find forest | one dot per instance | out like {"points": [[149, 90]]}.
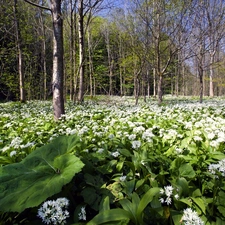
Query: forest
{"points": [[137, 47]]}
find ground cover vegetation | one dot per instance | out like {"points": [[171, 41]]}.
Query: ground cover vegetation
{"points": [[110, 161]]}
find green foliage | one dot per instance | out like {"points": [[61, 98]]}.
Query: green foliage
{"points": [[131, 155], [39, 176], [131, 210]]}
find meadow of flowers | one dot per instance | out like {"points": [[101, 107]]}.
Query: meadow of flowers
{"points": [[144, 164]]}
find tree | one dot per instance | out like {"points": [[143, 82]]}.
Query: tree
{"points": [[8, 53], [20, 55], [198, 44], [58, 64], [81, 49], [215, 12], [43, 52], [85, 8]]}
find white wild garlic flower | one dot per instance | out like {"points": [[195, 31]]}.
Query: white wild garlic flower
{"points": [[54, 211], [190, 217]]}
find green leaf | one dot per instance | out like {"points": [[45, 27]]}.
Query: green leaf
{"points": [[221, 198], [186, 141], [40, 175], [111, 215], [129, 187], [187, 170], [105, 203], [5, 160], [119, 166], [182, 182], [145, 200], [170, 151], [197, 193], [129, 207], [176, 217], [186, 201], [200, 203], [221, 209], [139, 183], [219, 221], [125, 152], [175, 165]]}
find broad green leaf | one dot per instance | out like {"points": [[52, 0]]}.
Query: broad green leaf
{"points": [[170, 151], [105, 203], [139, 183], [129, 187], [221, 198], [197, 193], [119, 166], [200, 203], [182, 182], [185, 142], [121, 222], [187, 170], [221, 209], [135, 200], [111, 215], [90, 196], [129, 207], [145, 200], [125, 152], [39, 176], [186, 201], [175, 165], [155, 203], [217, 155]]}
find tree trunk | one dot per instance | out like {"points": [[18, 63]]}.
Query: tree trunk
{"points": [[121, 81], [110, 80], [160, 91], [136, 88], [44, 56], [154, 82], [20, 55], [110, 61], [211, 74], [72, 47], [58, 65], [91, 69], [81, 50], [183, 80], [121, 53], [75, 76], [200, 70]]}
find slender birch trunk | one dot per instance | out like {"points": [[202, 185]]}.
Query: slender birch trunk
{"points": [[20, 54], [81, 50], [58, 65]]}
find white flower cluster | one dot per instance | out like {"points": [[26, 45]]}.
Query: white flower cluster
{"points": [[219, 167], [191, 217], [136, 144], [167, 191], [115, 154], [54, 212], [82, 214], [123, 178]]}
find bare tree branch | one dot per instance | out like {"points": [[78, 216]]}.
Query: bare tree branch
{"points": [[37, 5]]}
